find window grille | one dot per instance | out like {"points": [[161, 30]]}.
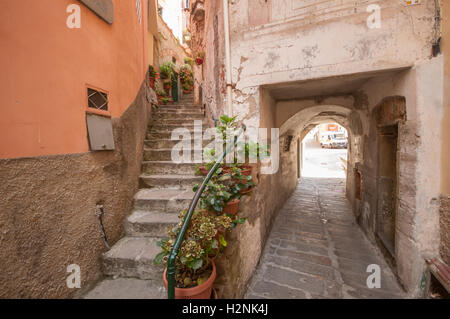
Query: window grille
{"points": [[97, 100]]}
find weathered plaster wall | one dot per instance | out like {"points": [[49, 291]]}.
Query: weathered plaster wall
{"points": [[445, 158], [277, 57], [168, 45], [48, 209], [336, 41], [208, 36], [304, 43]]}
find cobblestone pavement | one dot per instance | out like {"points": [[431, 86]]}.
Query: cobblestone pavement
{"points": [[316, 250]]}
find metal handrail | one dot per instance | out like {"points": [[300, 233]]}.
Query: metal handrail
{"points": [[180, 237]]}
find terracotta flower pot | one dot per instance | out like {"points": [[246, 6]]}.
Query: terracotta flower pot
{"points": [[202, 291], [247, 170], [203, 170], [232, 207], [246, 191]]}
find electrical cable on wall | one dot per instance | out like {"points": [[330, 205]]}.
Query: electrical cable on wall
{"points": [[100, 213]]}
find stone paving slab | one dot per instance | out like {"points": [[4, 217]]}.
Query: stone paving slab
{"points": [[317, 250]]}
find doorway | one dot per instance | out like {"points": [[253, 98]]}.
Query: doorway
{"points": [[175, 87], [323, 152], [387, 186]]}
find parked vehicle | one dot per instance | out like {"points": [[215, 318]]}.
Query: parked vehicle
{"points": [[339, 140], [333, 140]]}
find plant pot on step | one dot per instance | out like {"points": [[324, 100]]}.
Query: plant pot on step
{"points": [[246, 191], [202, 291], [203, 170], [232, 207], [247, 170]]}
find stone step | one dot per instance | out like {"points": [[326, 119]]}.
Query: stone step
{"points": [[133, 257], [149, 224], [179, 107], [127, 288], [177, 122], [193, 110], [168, 143], [159, 126], [169, 181], [167, 167], [163, 200], [164, 133], [165, 154], [187, 116]]}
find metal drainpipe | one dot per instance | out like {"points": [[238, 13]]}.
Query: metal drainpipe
{"points": [[228, 57]]}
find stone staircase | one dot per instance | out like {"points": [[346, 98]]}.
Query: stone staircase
{"points": [[165, 190]]}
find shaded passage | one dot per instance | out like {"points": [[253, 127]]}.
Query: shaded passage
{"points": [[316, 249]]}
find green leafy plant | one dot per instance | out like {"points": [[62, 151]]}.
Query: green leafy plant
{"points": [[161, 93], [186, 77], [204, 239], [215, 196], [188, 60], [200, 55], [152, 72], [167, 70]]}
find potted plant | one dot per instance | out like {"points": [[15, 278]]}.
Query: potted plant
{"points": [[166, 70], [162, 96], [167, 86], [189, 61], [152, 74], [200, 57], [187, 78], [203, 241], [165, 100]]}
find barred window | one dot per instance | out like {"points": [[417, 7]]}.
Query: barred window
{"points": [[97, 100]]}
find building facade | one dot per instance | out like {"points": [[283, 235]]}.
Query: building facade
{"points": [[74, 107], [378, 68]]}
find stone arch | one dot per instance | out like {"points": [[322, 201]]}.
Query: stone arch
{"points": [[316, 113], [304, 120]]}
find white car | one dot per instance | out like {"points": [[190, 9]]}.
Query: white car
{"points": [[333, 140]]}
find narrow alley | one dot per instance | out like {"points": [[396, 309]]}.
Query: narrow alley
{"points": [[316, 250], [225, 149]]}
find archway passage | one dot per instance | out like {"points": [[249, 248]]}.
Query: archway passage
{"points": [[334, 231], [316, 250], [323, 152]]}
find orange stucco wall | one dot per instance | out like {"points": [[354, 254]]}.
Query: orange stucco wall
{"points": [[46, 67]]}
